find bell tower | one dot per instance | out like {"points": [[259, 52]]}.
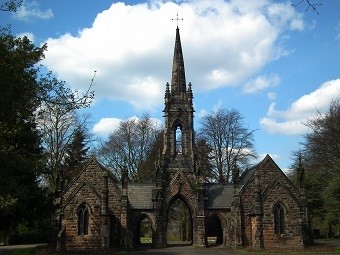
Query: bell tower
{"points": [[178, 111]]}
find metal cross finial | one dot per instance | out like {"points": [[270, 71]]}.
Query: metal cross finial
{"points": [[177, 19]]}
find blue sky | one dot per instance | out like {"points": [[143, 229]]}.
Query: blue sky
{"points": [[275, 63]]}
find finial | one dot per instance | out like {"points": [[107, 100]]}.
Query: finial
{"points": [[177, 19]]}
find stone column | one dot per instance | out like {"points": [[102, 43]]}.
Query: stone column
{"points": [[104, 213], [258, 213]]}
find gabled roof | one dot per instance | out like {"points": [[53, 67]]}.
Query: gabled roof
{"points": [[140, 195], [249, 173], [91, 160], [218, 195]]}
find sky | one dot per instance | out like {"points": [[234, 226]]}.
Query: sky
{"points": [[276, 63]]}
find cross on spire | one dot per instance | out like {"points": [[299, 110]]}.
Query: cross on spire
{"points": [[177, 19]]}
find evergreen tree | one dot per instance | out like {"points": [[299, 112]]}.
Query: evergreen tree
{"points": [[76, 154], [21, 196]]}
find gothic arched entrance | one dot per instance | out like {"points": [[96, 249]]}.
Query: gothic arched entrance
{"points": [[179, 228], [144, 230], [214, 230]]}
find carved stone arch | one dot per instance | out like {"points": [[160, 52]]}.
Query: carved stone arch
{"points": [[81, 202], [216, 227], [273, 204], [136, 225], [189, 225], [220, 217], [83, 215], [184, 199], [142, 216], [280, 215]]}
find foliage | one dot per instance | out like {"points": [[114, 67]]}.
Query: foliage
{"points": [[20, 151], [129, 147], [76, 154], [24, 95], [321, 154], [10, 6], [204, 165], [224, 131]]}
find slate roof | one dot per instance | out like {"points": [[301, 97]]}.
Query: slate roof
{"points": [[219, 196], [140, 195]]}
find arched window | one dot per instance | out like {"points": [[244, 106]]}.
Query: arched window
{"points": [[83, 220], [279, 219], [178, 139]]}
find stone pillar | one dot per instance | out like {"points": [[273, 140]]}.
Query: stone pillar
{"points": [[104, 213], [200, 235], [126, 240], [258, 213]]}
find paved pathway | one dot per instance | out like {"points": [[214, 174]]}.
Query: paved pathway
{"points": [[183, 250], [8, 249]]}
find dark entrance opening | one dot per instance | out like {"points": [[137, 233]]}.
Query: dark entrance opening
{"points": [[143, 235], [214, 231], [179, 224]]}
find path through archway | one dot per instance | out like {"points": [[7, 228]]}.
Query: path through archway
{"points": [[214, 231], [144, 233], [179, 224]]}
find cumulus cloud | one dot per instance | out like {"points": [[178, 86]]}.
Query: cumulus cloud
{"points": [[262, 82], [30, 10], [131, 46], [106, 126], [290, 121]]}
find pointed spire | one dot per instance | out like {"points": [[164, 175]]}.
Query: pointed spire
{"points": [[178, 83]]}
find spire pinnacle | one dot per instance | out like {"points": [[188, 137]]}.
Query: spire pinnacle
{"points": [[178, 83], [177, 19]]}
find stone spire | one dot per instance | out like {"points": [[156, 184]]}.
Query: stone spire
{"points": [[178, 83]]}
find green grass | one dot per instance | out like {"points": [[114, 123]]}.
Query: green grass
{"points": [[26, 251], [337, 249]]}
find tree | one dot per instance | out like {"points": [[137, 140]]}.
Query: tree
{"points": [[321, 154], [57, 124], [76, 154], [203, 152], [20, 151], [230, 141], [10, 6], [129, 146], [24, 92], [147, 167], [310, 5]]}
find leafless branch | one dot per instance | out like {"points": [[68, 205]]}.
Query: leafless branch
{"points": [[310, 5]]}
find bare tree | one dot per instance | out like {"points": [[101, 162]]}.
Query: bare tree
{"points": [[310, 5], [57, 127], [129, 146], [11, 5], [230, 141]]}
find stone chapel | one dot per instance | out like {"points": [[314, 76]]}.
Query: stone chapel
{"points": [[260, 209]]}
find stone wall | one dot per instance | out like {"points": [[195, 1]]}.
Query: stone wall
{"points": [[275, 187]]}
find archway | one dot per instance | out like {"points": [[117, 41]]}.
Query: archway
{"points": [[179, 223], [214, 231], [144, 231]]}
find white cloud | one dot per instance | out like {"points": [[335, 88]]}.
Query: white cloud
{"points": [[271, 96], [131, 46], [29, 35], [29, 10], [290, 121], [106, 126], [262, 82]]}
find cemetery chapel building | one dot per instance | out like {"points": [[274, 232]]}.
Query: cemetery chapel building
{"points": [[261, 208]]}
